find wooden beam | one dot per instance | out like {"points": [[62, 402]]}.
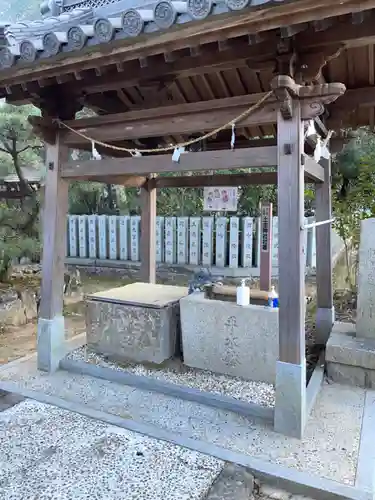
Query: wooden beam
{"points": [[189, 162], [291, 238], [122, 180], [193, 117], [196, 181], [313, 171], [50, 324], [148, 234], [290, 385], [324, 270]]}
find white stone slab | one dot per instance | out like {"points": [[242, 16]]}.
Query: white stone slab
{"points": [[234, 230], [124, 236], [82, 236], [195, 240], [182, 240], [366, 281], [113, 236], [207, 240], [103, 236], [170, 240], [159, 239], [135, 226], [93, 236], [221, 242], [73, 235], [247, 241]]}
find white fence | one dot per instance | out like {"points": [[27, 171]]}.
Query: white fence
{"points": [[199, 241]]}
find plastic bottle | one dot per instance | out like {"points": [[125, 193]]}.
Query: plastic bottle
{"points": [[273, 298], [243, 294]]}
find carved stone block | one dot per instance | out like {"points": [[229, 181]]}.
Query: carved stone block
{"points": [[136, 323], [226, 338]]}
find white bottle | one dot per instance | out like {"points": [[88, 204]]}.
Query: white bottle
{"points": [[243, 294], [273, 298]]}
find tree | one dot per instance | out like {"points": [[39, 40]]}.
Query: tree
{"points": [[353, 193], [19, 234]]}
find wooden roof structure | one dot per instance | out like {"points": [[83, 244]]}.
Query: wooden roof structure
{"points": [[239, 84], [122, 56]]}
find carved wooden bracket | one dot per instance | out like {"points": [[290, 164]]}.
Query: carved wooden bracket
{"points": [[309, 66], [313, 98]]}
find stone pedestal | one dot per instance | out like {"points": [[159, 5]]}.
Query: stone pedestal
{"points": [[136, 323], [350, 360], [50, 343], [290, 405], [226, 338]]}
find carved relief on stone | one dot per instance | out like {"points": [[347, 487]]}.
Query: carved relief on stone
{"points": [[231, 343], [165, 14], [132, 22], [124, 327], [199, 9]]}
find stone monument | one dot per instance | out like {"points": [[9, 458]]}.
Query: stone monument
{"points": [[366, 281], [350, 353]]}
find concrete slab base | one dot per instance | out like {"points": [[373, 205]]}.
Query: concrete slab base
{"points": [[324, 453], [290, 403], [50, 343], [350, 360], [325, 318]]}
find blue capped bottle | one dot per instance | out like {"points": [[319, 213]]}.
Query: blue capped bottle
{"points": [[273, 298]]}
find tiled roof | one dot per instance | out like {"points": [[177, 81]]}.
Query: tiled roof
{"points": [[71, 25]]}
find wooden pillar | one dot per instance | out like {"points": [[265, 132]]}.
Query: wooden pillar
{"points": [[325, 311], [148, 233], [290, 404], [51, 334], [265, 265]]}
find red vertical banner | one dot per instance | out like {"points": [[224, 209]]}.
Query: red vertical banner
{"points": [[265, 246]]}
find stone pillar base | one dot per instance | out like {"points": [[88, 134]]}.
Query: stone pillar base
{"points": [[50, 343], [325, 318], [290, 404], [350, 360]]}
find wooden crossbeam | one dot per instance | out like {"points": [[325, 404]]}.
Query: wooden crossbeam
{"points": [[230, 180], [313, 171], [186, 119], [189, 162]]}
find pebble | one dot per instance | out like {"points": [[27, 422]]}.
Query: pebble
{"points": [[252, 392], [273, 493]]}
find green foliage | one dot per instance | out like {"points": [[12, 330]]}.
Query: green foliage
{"points": [[353, 197], [19, 232]]}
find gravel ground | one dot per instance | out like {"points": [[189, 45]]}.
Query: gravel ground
{"points": [[49, 453], [176, 373]]}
